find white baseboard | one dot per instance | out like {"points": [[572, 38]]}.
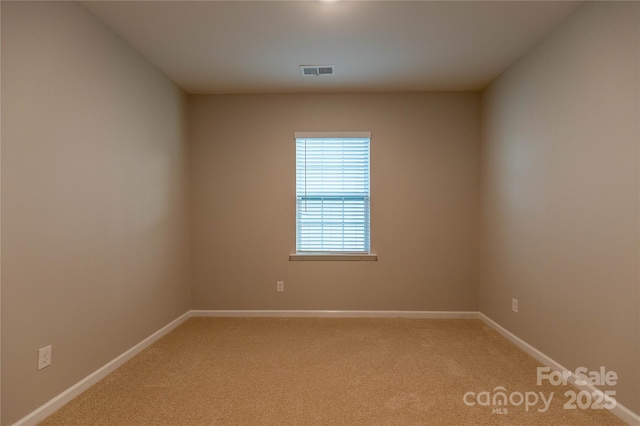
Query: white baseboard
{"points": [[57, 402], [619, 410], [337, 314]]}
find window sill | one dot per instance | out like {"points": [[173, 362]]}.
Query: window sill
{"points": [[339, 257]]}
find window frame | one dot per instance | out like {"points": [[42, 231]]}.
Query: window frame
{"points": [[325, 256]]}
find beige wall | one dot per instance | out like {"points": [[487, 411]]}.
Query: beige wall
{"points": [[560, 195], [95, 255], [424, 202]]}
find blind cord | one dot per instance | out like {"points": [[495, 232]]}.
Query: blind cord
{"points": [[305, 175]]}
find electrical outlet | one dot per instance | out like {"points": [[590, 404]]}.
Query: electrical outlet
{"points": [[514, 305], [44, 357], [280, 286]]}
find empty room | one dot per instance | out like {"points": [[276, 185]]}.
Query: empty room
{"points": [[320, 212]]}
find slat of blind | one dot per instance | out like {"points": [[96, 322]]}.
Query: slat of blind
{"points": [[332, 195]]}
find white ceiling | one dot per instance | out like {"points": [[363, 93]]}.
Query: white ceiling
{"points": [[258, 46]]}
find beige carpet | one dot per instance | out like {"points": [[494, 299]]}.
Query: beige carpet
{"points": [[276, 371]]}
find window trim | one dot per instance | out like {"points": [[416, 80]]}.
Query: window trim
{"points": [[332, 256], [329, 135]]}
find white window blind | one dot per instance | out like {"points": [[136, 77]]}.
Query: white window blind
{"points": [[332, 193]]}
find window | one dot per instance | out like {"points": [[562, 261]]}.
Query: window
{"points": [[332, 193]]}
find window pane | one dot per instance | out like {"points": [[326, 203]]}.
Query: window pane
{"points": [[332, 195]]}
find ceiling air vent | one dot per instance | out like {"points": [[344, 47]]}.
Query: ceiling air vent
{"points": [[318, 69]]}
